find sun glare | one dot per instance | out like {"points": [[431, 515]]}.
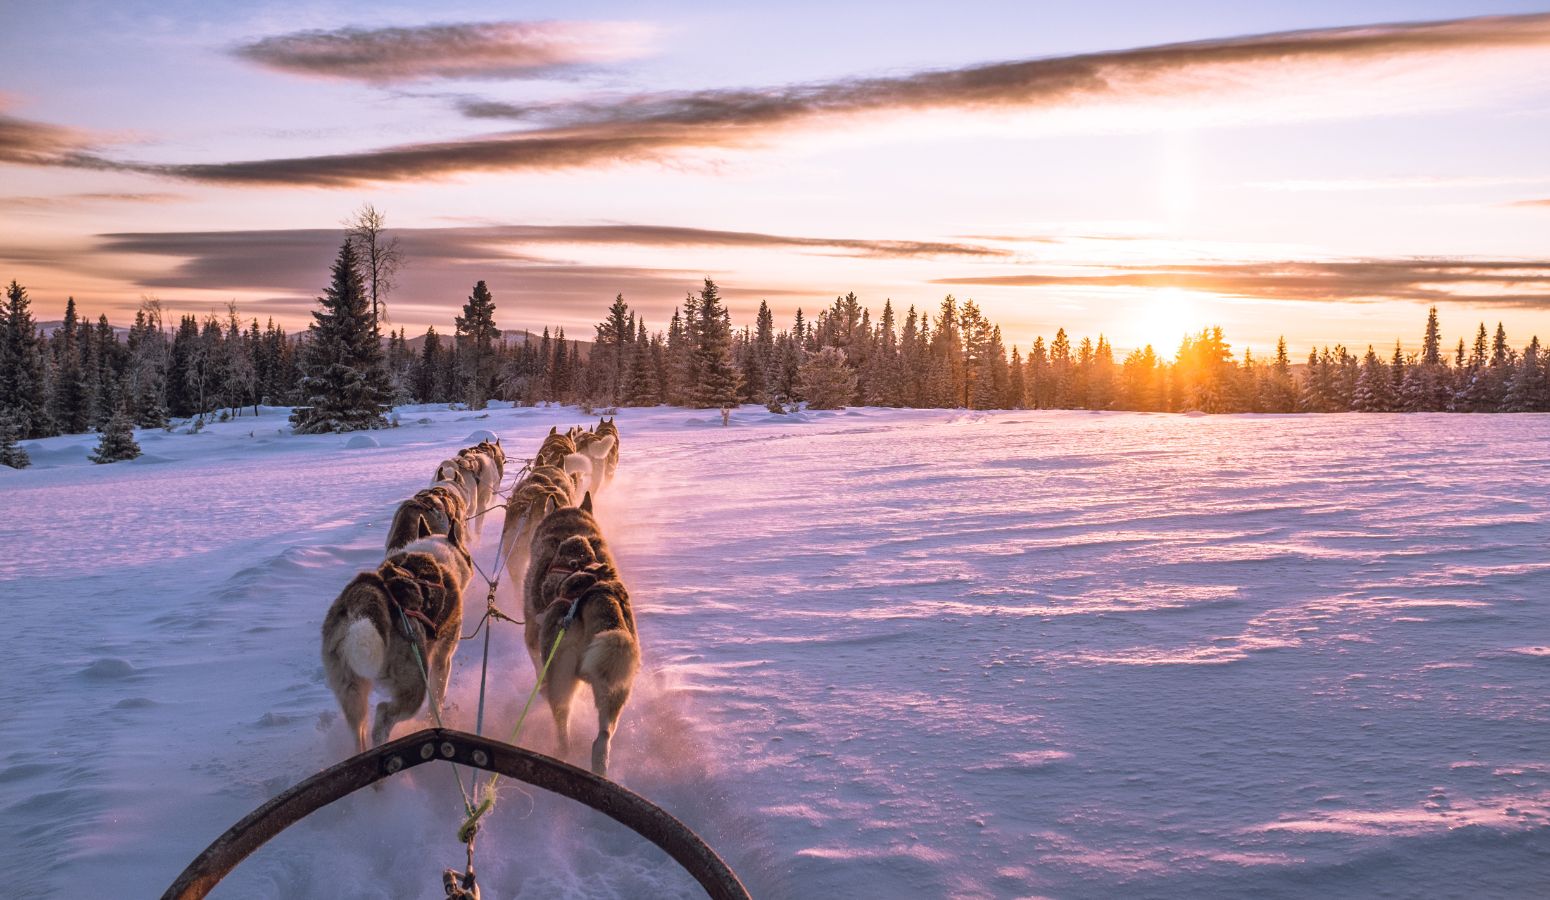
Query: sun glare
{"points": [[1163, 318]]}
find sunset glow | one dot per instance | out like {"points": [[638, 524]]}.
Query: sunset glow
{"points": [[1126, 171]]}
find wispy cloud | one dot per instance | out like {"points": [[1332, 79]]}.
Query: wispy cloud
{"points": [[25, 142], [294, 262], [1541, 202], [70, 201], [471, 50], [1484, 282], [653, 127], [1399, 183]]}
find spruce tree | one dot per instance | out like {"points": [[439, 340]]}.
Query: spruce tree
{"points": [[476, 336], [1374, 387], [609, 351], [1528, 389], [428, 369], [826, 379], [11, 453], [118, 439], [21, 365], [343, 385], [641, 376], [714, 369], [71, 405], [1017, 383]]}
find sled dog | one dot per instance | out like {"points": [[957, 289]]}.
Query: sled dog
{"points": [[571, 567], [554, 449], [596, 448], [462, 476], [607, 428], [487, 462], [434, 510], [366, 640], [544, 489]]}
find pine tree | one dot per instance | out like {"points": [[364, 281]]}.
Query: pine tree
{"points": [[641, 377], [1528, 390], [476, 334], [71, 405], [1017, 383], [344, 386], [1374, 387], [1060, 364], [826, 379], [21, 366], [1040, 392], [1278, 391], [11, 453], [428, 369], [118, 439], [608, 351], [717, 382]]}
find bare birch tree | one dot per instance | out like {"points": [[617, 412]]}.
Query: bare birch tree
{"points": [[379, 256]]}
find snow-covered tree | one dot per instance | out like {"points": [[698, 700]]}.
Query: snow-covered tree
{"points": [[1374, 388], [11, 453], [118, 439], [826, 379], [476, 336], [344, 386], [716, 379]]}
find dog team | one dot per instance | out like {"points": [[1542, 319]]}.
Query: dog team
{"points": [[398, 625]]}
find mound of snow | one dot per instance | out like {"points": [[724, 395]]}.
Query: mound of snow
{"points": [[361, 442], [481, 435]]}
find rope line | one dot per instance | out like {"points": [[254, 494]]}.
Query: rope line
{"points": [[412, 629], [470, 826]]}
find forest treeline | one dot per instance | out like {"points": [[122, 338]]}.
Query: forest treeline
{"points": [[341, 373]]}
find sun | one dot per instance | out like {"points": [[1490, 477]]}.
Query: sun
{"points": [[1163, 318]]}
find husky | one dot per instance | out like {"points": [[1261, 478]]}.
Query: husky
{"points": [[596, 448], [461, 474], [434, 510], [487, 462], [555, 448], [414, 599], [545, 489], [571, 569], [607, 428]]}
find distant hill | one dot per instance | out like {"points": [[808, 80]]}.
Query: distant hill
{"points": [[513, 337], [52, 326]]}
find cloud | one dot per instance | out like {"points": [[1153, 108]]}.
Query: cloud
{"points": [[474, 50], [1543, 202], [84, 199], [1259, 71], [1399, 182], [25, 142], [294, 262], [1524, 283]]}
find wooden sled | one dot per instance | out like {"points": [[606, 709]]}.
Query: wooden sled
{"points": [[624, 806]]}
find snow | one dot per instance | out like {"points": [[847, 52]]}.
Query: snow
{"points": [[886, 654]]}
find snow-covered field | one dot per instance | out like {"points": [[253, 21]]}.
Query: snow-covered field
{"points": [[887, 654]]}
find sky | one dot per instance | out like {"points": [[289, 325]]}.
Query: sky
{"points": [[1323, 171]]}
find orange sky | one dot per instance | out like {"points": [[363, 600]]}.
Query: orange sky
{"points": [[1297, 172]]}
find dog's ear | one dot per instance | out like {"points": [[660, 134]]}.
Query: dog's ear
{"points": [[456, 532], [586, 502], [548, 505], [554, 429]]}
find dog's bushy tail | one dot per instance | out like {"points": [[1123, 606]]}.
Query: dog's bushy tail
{"points": [[611, 658], [578, 464], [601, 447], [363, 648]]}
